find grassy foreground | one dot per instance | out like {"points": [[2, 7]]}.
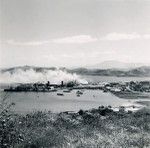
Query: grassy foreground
{"points": [[96, 128]]}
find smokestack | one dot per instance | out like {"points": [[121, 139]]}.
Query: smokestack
{"points": [[48, 83], [62, 83]]}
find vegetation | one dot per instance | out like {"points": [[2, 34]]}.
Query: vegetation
{"points": [[94, 128]]}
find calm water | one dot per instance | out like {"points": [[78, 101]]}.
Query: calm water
{"points": [[113, 79], [28, 101], [70, 102]]}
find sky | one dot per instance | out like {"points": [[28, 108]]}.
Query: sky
{"points": [[73, 32]]}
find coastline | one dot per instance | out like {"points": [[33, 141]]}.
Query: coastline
{"points": [[87, 128], [105, 126], [136, 99]]}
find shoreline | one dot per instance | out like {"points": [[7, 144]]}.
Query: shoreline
{"points": [[87, 128], [120, 90]]}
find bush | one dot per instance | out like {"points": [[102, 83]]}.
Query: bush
{"points": [[105, 111], [81, 112], [9, 133]]}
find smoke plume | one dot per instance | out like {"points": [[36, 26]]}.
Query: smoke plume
{"points": [[31, 76]]}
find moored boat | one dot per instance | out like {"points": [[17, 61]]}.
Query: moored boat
{"points": [[60, 94]]}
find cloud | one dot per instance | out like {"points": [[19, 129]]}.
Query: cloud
{"points": [[146, 36], [32, 43], [121, 36], [79, 39], [66, 40], [75, 39], [114, 36]]}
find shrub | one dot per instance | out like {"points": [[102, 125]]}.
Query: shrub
{"points": [[9, 133], [105, 111], [81, 112]]}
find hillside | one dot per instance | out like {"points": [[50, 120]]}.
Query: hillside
{"points": [[143, 71], [25, 68], [111, 64], [138, 72]]}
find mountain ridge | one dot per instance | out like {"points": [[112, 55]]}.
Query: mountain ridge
{"points": [[117, 65], [143, 71]]}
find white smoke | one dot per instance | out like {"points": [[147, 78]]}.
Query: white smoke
{"points": [[31, 76]]}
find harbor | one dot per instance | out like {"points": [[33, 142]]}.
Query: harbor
{"points": [[113, 87], [73, 96]]}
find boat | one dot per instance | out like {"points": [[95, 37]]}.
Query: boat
{"points": [[60, 94], [79, 92], [105, 90], [67, 91], [78, 95]]}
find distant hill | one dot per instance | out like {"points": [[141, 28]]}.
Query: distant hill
{"points": [[25, 68], [116, 65], [136, 72], [143, 71]]}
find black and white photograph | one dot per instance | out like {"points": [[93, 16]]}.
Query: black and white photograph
{"points": [[74, 73]]}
